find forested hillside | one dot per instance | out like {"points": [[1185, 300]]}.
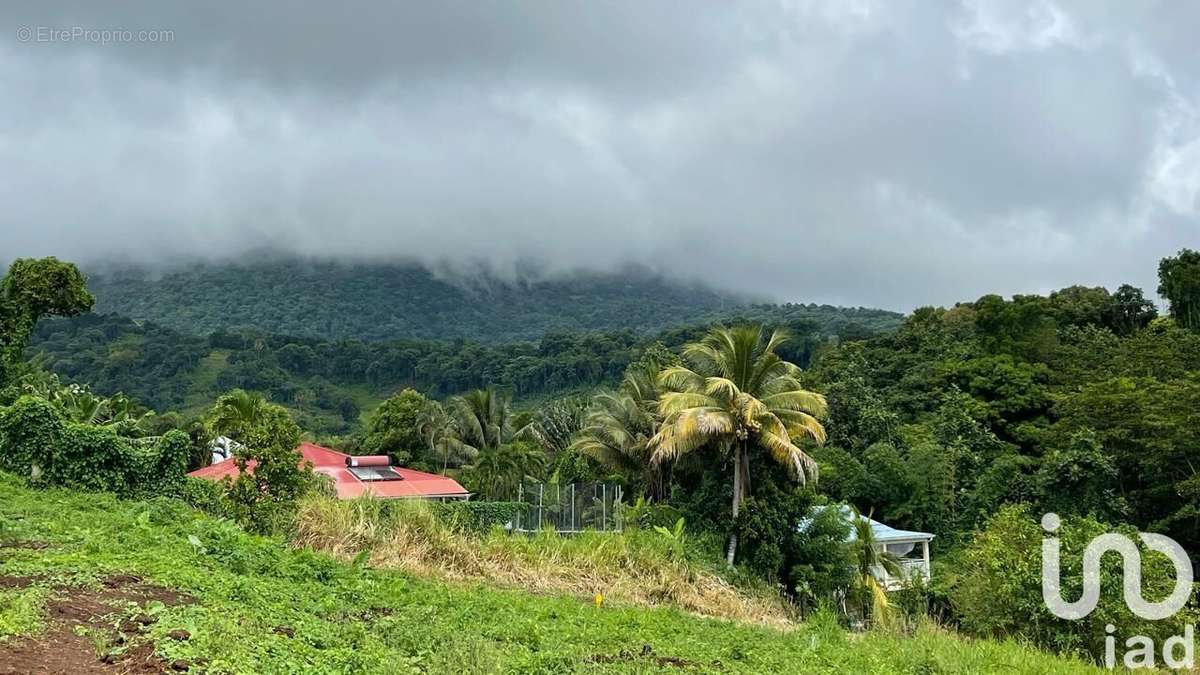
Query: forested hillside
{"points": [[330, 383], [335, 300], [965, 422]]}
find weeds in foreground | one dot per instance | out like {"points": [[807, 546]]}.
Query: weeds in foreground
{"points": [[642, 567], [258, 605]]}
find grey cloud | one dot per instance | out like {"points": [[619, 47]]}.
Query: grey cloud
{"points": [[877, 153]]}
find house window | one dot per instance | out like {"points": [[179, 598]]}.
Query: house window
{"points": [[374, 473]]}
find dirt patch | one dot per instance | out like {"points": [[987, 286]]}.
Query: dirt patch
{"points": [[29, 545], [134, 588], [61, 650], [11, 582], [647, 655]]}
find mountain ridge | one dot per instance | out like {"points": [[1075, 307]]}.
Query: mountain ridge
{"points": [[384, 301]]}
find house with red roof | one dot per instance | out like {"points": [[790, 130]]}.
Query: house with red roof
{"points": [[355, 476]]}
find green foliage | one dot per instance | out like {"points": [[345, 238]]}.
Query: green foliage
{"points": [[204, 495], [1081, 478], [1179, 283], [331, 300], [364, 620], [1079, 402], [38, 441], [498, 472], [394, 429], [995, 586], [271, 473], [739, 396], [22, 611], [33, 289], [478, 516]]}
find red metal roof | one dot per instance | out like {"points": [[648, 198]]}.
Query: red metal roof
{"points": [[333, 464]]}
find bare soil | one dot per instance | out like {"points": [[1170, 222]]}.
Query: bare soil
{"points": [[59, 650]]}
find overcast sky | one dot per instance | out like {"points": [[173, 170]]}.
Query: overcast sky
{"points": [[885, 153]]}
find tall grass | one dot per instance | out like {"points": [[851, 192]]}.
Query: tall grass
{"points": [[642, 567]]}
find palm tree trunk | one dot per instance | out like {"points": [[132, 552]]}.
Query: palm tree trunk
{"points": [[731, 552], [745, 470]]}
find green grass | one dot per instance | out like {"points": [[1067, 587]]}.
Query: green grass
{"points": [[204, 381], [638, 566], [353, 620], [21, 611]]}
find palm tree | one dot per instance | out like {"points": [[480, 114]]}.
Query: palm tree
{"points": [[441, 437], [235, 413], [499, 471], [482, 419], [871, 559], [619, 427], [737, 393], [555, 424]]}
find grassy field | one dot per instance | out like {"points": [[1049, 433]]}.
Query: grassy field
{"points": [[155, 584], [638, 566]]}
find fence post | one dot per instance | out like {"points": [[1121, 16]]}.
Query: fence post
{"points": [[603, 506], [520, 498], [541, 495], [572, 507], [619, 509]]}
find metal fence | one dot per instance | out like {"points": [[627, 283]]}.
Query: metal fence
{"points": [[574, 507]]}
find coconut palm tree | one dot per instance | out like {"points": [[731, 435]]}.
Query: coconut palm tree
{"points": [[438, 430], [482, 419], [498, 472], [619, 427], [235, 413], [555, 424], [737, 394], [870, 559]]}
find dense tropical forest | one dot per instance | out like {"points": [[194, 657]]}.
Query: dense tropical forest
{"points": [[386, 301], [331, 383], [967, 422]]}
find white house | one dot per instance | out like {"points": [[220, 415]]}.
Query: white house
{"points": [[912, 548]]}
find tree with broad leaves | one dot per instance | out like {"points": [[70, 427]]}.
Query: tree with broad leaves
{"points": [[32, 289]]}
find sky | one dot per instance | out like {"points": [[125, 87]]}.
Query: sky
{"points": [[889, 154]]}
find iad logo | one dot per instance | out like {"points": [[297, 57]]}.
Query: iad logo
{"points": [[1132, 559]]}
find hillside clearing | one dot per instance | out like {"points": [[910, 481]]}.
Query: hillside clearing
{"points": [[258, 606]]}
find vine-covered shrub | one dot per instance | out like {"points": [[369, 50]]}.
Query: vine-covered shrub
{"points": [[38, 441], [203, 495], [478, 516]]}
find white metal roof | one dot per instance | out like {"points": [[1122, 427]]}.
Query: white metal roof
{"points": [[883, 533]]}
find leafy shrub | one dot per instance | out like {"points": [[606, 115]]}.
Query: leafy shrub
{"points": [[643, 514], [201, 494], [995, 586], [479, 516], [811, 561], [263, 495], [36, 440]]}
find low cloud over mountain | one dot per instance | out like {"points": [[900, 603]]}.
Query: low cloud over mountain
{"points": [[867, 153]]}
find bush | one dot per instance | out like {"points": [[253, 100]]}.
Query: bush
{"points": [[263, 500], [203, 495], [37, 441], [479, 516], [995, 586]]}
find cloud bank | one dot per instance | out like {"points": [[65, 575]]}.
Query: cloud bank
{"points": [[883, 153]]}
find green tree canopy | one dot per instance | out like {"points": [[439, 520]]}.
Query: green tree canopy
{"points": [[738, 392], [395, 428], [32, 289], [1179, 283]]}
